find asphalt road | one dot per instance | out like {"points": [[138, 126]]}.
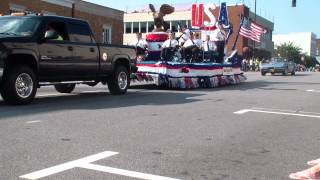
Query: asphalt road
{"points": [[192, 134]]}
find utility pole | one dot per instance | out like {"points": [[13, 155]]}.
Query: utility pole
{"points": [[294, 3], [73, 10]]}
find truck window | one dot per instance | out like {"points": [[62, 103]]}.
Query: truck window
{"points": [[80, 33], [18, 26], [60, 28]]}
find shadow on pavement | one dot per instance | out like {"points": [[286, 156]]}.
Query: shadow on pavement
{"points": [[96, 101], [245, 86]]}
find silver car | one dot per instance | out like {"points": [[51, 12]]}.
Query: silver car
{"points": [[278, 65]]}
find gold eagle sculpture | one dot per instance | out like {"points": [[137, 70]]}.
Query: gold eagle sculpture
{"points": [[160, 24]]}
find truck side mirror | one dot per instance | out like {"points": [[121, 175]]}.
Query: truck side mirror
{"points": [[50, 34]]}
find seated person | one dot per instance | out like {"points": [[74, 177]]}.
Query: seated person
{"points": [[198, 41], [169, 47], [140, 44], [185, 35], [210, 49], [190, 50], [51, 28]]}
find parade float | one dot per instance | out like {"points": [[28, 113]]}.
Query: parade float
{"points": [[177, 74]]}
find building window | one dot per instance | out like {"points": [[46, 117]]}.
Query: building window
{"points": [[150, 26], [107, 35], [189, 23], [176, 24], [143, 27], [128, 27], [135, 27]]}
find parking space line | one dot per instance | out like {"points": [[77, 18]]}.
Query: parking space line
{"points": [[67, 166], [32, 122], [86, 163], [285, 110], [124, 172], [312, 90], [243, 111]]}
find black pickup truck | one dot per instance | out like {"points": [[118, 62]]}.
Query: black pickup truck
{"points": [[38, 50]]}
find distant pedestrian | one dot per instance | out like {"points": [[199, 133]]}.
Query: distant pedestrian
{"points": [[251, 65]]}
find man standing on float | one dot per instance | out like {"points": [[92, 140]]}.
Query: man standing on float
{"points": [[219, 37]]}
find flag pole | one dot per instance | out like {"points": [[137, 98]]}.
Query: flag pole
{"points": [[255, 21], [235, 42]]}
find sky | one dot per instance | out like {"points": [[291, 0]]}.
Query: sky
{"points": [[303, 18]]}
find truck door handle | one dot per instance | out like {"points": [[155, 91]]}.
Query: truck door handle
{"points": [[70, 48], [91, 49]]}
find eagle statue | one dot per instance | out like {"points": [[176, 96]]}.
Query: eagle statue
{"points": [[160, 24]]}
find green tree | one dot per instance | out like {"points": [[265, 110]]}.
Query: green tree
{"points": [[310, 61], [289, 51]]}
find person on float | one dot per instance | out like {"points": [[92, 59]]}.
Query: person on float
{"points": [[140, 44], [219, 36], [169, 47], [209, 47], [198, 41], [190, 50], [185, 35]]}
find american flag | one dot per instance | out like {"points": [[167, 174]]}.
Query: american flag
{"points": [[251, 30]]}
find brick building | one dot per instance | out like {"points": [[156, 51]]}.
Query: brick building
{"points": [[142, 21], [106, 23]]}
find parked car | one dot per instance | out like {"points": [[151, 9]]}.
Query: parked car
{"points": [[278, 65], [37, 50]]}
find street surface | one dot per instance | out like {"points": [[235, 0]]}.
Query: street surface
{"points": [[263, 129]]}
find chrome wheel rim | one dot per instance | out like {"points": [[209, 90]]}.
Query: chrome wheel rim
{"points": [[123, 80], [24, 85]]}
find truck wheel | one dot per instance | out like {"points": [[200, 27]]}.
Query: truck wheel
{"points": [[293, 73], [263, 73], [19, 86], [64, 88], [119, 82]]}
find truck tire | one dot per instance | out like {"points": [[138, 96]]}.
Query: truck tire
{"points": [[64, 88], [263, 73], [293, 73], [19, 86], [119, 82]]}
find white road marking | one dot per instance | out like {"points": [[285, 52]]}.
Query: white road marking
{"points": [[52, 95], [87, 164], [32, 122], [312, 90], [100, 91], [124, 172], [243, 111], [284, 110], [69, 94], [66, 166]]}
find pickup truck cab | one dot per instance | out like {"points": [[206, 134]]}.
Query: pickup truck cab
{"points": [[37, 50]]}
